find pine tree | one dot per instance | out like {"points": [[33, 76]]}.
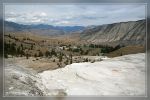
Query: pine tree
{"points": [[47, 53], [66, 62], [27, 56], [12, 49], [35, 55], [53, 52], [70, 58], [32, 47], [9, 36], [81, 51], [60, 57], [40, 54]]}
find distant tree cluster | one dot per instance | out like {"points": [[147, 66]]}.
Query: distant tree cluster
{"points": [[46, 54], [76, 50], [96, 46], [16, 49], [12, 49], [99, 46], [107, 49], [12, 37]]}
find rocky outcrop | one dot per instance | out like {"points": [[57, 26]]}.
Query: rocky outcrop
{"points": [[119, 76]]}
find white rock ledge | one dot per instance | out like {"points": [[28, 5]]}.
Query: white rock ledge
{"points": [[119, 76]]}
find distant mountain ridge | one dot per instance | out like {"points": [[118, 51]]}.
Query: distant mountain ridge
{"points": [[122, 33], [125, 33], [42, 29]]}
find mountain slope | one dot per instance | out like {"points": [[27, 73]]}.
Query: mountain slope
{"points": [[123, 33], [41, 29], [126, 33]]}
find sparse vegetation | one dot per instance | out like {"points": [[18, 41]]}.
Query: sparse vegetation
{"points": [[59, 53]]}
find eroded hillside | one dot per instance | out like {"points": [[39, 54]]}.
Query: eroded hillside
{"points": [[123, 33]]}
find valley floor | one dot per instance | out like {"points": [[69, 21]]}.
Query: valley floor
{"points": [[119, 76]]}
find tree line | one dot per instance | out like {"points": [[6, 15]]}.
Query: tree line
{"points": [[19, 50]]}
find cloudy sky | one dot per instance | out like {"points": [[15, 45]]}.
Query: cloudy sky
{"points": [[71, 15]]}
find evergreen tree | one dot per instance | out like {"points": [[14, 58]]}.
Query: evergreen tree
{"points": [[40, 54], [12, 49], [9, 36], [22, 53], [53, 52], [66, 62], [60, 57], [35, 55], [31, 46], [22, 46], [86, 60], [70, 58], [27, 56], [81, 51], [86, 52], [47, 53]]}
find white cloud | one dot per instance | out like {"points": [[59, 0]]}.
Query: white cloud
{"points": [[11, 19], [63, 22], [73, 14], [36, 20], [43, 14]]}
